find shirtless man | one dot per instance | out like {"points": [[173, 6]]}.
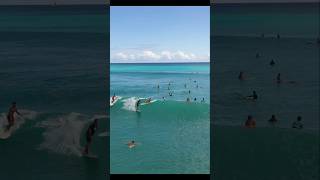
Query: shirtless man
{"points": [[10, 116]]}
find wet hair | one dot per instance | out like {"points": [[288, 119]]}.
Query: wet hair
{"points": [[299, 118], [132, 141], [273, 115]]}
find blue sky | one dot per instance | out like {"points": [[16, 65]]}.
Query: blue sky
{"points": [[159, 34]]}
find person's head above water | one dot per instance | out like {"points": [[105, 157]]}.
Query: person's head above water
{"points": [[299, 118], [132, 142]]}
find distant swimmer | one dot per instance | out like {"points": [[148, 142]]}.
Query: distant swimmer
{"points": [[241, 76], [185, 85], [254, 96], [273, 119], [170, 94], [188, 99], [10, 116], [257, 55], [189, 91], [197, 86], [195, 99], [131, 144], [89, 134], [138, 104], [262, 35], [148, 100], [278, 36], [250, 122], [272, 63], [297, 124], [279, 78], [163, 98], [202, 100], [158, 86]]}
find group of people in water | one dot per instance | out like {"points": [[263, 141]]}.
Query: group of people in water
{"points": [[188, 99], [251, 122], [13, 110]]}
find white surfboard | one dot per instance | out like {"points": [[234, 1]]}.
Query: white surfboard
{"points": [[4, 133], [145, 103], [115, 100]]}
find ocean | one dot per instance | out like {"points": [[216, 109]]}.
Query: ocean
{"points": [[268, 151], [172, 135], [52, 63]]}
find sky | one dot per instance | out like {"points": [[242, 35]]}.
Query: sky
{"points": [[159, 34]]}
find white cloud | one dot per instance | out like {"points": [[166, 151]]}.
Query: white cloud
{"points": [[163, 56]]}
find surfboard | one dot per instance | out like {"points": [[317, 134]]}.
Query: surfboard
{"points": [[4, 133], [144, 103], [92, 156], [115, 100]]}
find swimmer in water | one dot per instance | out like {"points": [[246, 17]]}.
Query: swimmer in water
{"points": [[250, 122], [241, 77], [185, 85], [272, 63], [254, 96], [163, 98], [131, 144], [188, 99], [202, 100], [278, 36], [10, 116], [279, 78], [297, 124], [195, 99], [189, 91], [273, 119]]}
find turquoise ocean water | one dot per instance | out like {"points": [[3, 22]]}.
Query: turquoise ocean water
{"points": [[266, 152], [172, 135], [52, 63]]}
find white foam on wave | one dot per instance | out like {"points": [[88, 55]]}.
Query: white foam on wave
{"points": [[63, 134], [130, 103]]}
